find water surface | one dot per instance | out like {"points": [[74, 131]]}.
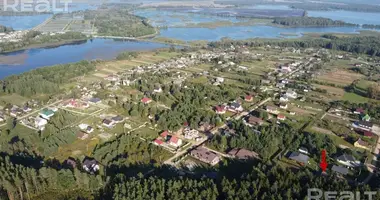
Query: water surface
{"points": [[87, 50]]}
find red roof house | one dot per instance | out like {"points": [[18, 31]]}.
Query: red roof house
{"points": [[220, 109], [281, 117], [368, 133], [146, 100], [174, 141], [158, 142], [164, 134], [248, 98]]}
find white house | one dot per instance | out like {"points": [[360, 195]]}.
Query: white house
{"points": [[348, 160], [40, 123], [291, 94], [284, 99]]}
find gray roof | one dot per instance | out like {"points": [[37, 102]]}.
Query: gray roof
{"points": [[299, 157], [347, 158], [340, 169]]}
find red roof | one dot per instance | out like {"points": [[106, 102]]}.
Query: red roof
{"points": [[220, 108], [173, 139], [360, 110], [185, 124], [145, 100], [164, 134], [158, 141], [281, 117], [248, 98], [368, 133]]}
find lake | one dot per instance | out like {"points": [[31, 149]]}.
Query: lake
{"points": [[245, 32], [26, 60], [348, 16], [23, 22]]}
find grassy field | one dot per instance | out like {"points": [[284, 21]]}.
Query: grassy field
{"points": [[354, 98], [14, 99], [339, 77]]}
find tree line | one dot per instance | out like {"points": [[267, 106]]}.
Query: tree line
{"points": [[309, 21], [46, 80]]}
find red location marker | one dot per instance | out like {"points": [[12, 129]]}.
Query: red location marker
{"points": [[323, 163]]}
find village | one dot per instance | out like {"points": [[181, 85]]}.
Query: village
{"points": [[270, 89]]}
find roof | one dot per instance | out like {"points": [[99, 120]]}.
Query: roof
{"points": [[361, 142], [204, 154], [281, 116], [360, 110], [347, 158], [117, 118], [47, 112], [235, 105], [253, 119], [145, 99], [164, 134], [158, 141], [220, 108], [299, 157], [243, 153], [95, 100], [173, 139], [364, 123], [89, 162], [368, 133], [271, 108], [366, 117], [107, 121], [340, 169], [248, 97]]}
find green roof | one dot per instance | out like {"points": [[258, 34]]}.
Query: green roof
{"points": [[366, 118], [47, 112]]}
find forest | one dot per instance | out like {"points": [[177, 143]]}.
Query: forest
{"points": [[119, 22], [369, 45], [37, 38], [46, 80], [309, 21], [357, 7]]}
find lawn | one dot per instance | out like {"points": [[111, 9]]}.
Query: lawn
{"points": [[14, 99], [354, 98]]}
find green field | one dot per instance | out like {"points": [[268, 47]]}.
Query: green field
{"points": [[354, 98]]}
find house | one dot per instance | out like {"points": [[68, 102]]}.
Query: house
{"points": [[361, 144], [46, 113], [95, 100], [303, 150], [299, 157], [117, 119], [90, 165], [190, 133], [252, 120], [272, 109], [291, 94], [158, 142], [284, 98], [71, 162], [366, 118], [248, 98], [108, 123], [157, 90], [243, 154], [82, 135], [220, 109], [281, 117], [146, 100], [283, 105], [235, 107], [174, 141], [205, 155], [359, 111], [292, 113], [363, 125], [27, 109], [89, 129], [348, 160], [368, 134], [40, 123], [164, 135], [339, 169]]}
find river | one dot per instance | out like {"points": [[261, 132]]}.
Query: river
{"points": [[25, 60]]}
